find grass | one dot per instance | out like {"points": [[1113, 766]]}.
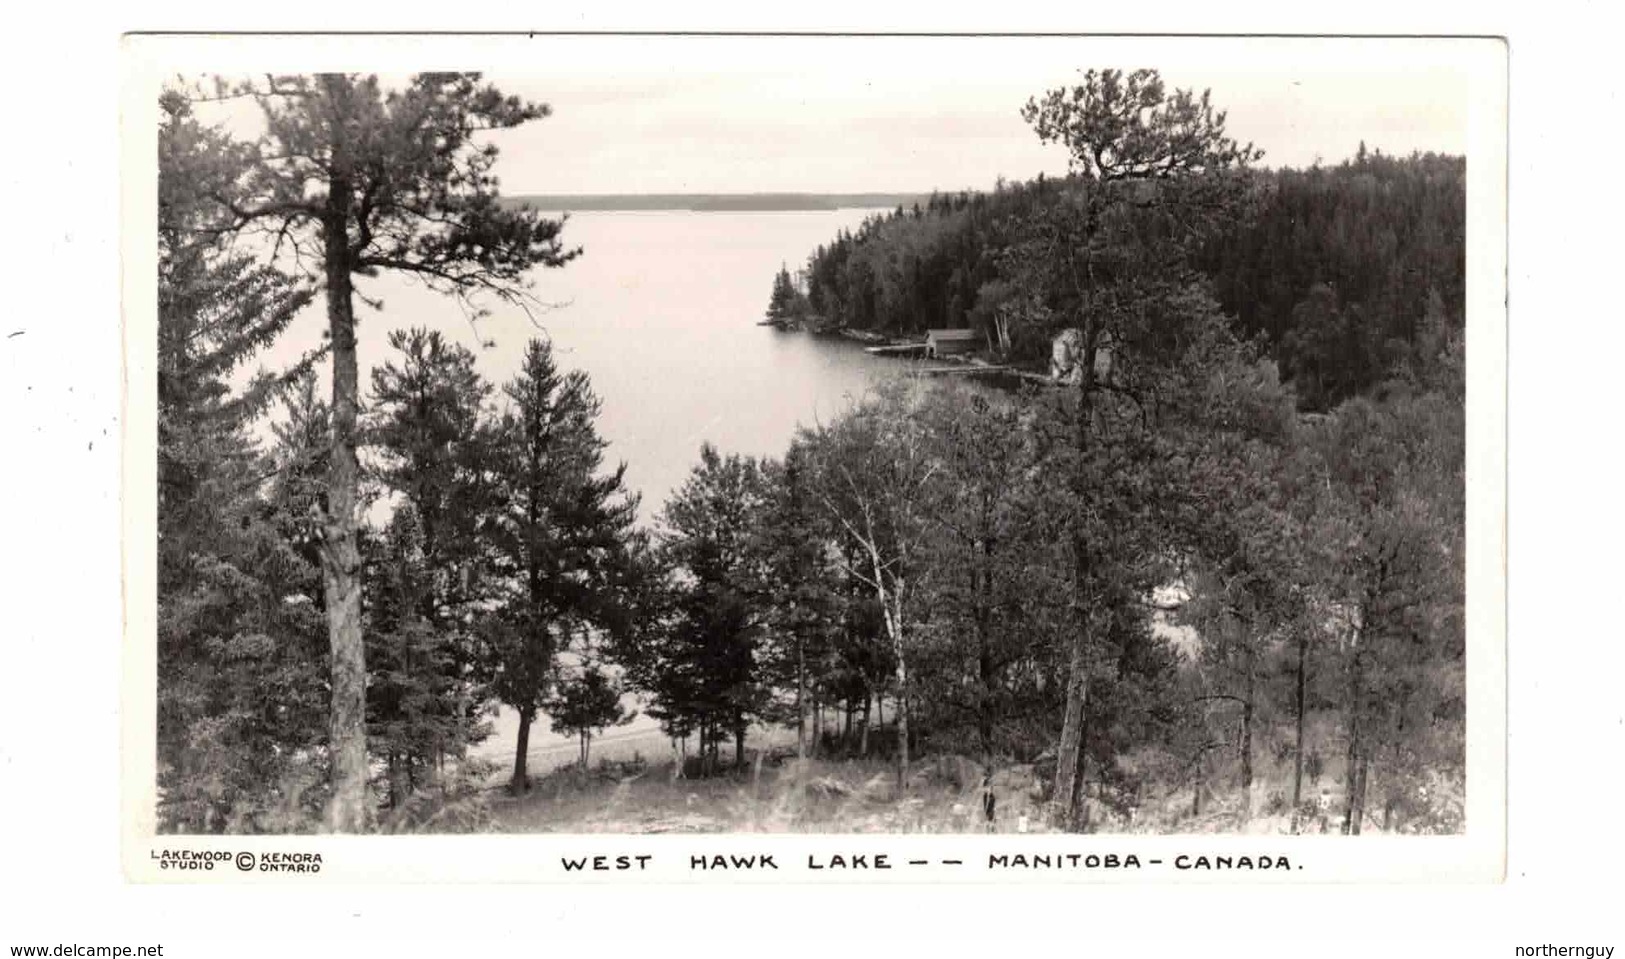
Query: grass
{"points": [[632, 790], [942, 795]]}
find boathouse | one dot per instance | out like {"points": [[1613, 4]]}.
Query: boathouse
{"points": [[940, 343]]}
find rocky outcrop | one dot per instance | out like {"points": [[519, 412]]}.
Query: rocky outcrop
{"points": [[1066, 358]]}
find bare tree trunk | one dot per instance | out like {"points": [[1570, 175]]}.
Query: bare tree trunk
{"points": [[1351, 778], [584, 738], [863, 747], [1360, 787], [986, 672], [801, 697], [1247, 747], [348, 810], [1083, 773], [1067, 757], [1297, 759], [1071, 747], [1354, 804], [817, 725], [397, 790], [902, 699], [739, 744], [521, 778]]}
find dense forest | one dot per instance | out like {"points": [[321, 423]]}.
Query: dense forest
{"points": [[1335, 271], [1159, 589]]}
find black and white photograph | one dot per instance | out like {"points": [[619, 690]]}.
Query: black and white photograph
{"points": [[1001, 440], [1074, 480]]}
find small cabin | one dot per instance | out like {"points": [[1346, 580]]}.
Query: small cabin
{"points": [[949, 342]]}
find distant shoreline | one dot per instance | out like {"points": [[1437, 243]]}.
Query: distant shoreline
{"points": [[716, 202]]}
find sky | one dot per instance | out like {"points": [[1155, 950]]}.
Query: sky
{"points": [[856, 114], [680, 115]]}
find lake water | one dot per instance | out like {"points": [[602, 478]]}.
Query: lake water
{"points": [[660, 310]]}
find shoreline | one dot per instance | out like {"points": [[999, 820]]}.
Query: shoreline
{"points": [[879, 344]]}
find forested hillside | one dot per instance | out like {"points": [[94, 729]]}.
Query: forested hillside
{"points": [[1338, 270]]}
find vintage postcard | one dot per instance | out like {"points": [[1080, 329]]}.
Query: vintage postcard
{"points": [[893, 459]]}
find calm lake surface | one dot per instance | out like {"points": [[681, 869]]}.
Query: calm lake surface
{"points": [[660, 310]]}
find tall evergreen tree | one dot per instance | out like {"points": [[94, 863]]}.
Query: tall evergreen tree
{"points": [[802, 584], [785, 303], [422, 707], [565, 550], [708, 670], [238, 682], [1157, 174], [358, 180], [426, 427], [427, 574], [1398, 582]]}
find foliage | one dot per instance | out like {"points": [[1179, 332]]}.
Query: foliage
{"points": [[422, 708], [1153, 589], [702, 664], [1336, 270], [424, 427], [427, 574], [403, 171], [989, 532], [240, 701], [348, 180], [585, 703], [787, 304], [560, 539]]}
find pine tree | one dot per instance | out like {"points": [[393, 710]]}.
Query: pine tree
{"points": [[564, 547], [706, 668], [358, 181], [1397, 578], [427, 574], [802, 585], [426, 426], [1111, 260], [239, 694], [586, 702], [785, 305]]}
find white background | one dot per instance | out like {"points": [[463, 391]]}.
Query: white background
{"points": [[60, 632]]}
